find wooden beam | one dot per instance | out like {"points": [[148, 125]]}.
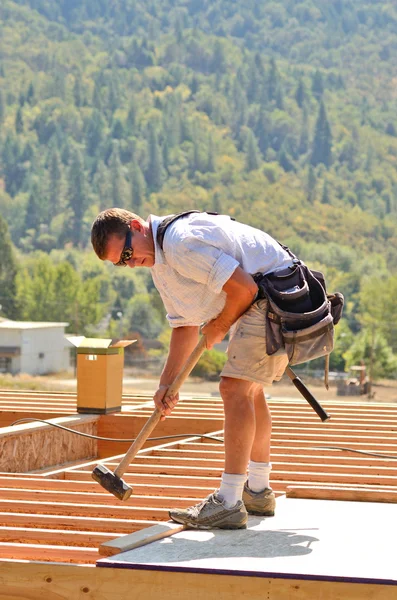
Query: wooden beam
{"points": [[57, 537], [35, 581], [346, 493], [103, 498], [74, 523], [78, 509], [42, 552], [140, 538]]}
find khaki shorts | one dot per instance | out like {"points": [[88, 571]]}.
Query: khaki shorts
{"points": [[246, 352]]}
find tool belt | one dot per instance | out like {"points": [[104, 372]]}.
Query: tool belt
{"points": [[300, 315]]}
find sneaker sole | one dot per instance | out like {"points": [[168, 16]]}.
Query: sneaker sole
{"points": [[259, 513], [206, 527]]}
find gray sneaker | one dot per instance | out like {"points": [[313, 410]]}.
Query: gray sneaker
{"points": [[259, 503], [211, 513]]}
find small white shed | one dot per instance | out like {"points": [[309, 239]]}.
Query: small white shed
{"points": [[32, 347]]}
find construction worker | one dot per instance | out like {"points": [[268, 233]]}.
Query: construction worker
{"points": [[203, 271]]}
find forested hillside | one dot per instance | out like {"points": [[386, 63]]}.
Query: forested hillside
{"points": [[282, 114]]}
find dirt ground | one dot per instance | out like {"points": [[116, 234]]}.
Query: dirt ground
{"points": [[384, 391]]}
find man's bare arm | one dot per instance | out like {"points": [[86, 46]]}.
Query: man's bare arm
{"points": [[241, 290], [183, 341]]}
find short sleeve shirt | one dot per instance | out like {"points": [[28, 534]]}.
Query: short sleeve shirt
{"points": [[200, 254]]}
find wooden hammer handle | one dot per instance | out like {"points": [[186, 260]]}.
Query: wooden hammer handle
{"points": [[155, 418]]}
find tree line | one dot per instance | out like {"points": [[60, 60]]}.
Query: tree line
{"points": [[281, 114]]}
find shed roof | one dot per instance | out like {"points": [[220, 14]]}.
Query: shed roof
{"points": [[8, 324]]}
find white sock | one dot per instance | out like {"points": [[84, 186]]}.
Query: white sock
{"points": [[231, 490], [258, 476]]}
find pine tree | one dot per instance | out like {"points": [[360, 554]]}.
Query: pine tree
{"points": [[55, 185], [317, 85], [8, 274], [78, 90], [325, 198], [280, 98], [138, 188], [76, 196], [304, 133], [94, 133], [284, 158], [2, 107], [262, 132], [33, 216], [211, 167], [30, 94], [131, 118], [273, 80], [311, 185], [218, 62], [155, 169], [252, 152], [97, 95], [19, 121], [322, 142], [116, 175], [301, 94], [102, 185]]}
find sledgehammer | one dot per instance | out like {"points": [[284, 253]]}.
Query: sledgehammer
{"points": [[112, 482]]}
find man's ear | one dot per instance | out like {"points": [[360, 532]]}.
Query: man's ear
{"points": [[135, 225]]}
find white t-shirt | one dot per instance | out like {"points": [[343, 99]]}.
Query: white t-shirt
{"points": [[200, 253]]}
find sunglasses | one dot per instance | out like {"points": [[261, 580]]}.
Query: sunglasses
{"points": [[127, 252]]}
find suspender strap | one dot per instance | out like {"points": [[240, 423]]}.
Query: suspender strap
{"points": [[165, 223]]}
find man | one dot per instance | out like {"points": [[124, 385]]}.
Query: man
{"points": [[204, 275]]}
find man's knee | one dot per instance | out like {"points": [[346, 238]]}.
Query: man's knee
{"points": [[235, 389]]}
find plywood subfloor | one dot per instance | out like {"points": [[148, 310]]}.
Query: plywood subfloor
{"points": [[62, 515], [309, 539]]}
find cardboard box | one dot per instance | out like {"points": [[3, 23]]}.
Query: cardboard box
{"points": [[100, 364]]}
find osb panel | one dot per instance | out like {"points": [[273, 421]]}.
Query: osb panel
{"points": [[46, 447]]}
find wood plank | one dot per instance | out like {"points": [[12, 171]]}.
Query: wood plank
{"points": [[92, 487], [102, 498], [73, 523], [70, 509], [35, 581], [57, 537], [346, 493], [44, 553], [140, 538]]}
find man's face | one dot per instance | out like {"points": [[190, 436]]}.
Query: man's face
{"points": [[141, 244]]}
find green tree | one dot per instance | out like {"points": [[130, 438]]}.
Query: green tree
{"points": [[116, 177], [311, 185], [252, 155], [273, 80], [318, 85], [2, 107], [211, 155], [8, 274], [34, 215], [155, 169], [19, 121], [301, 94], [94, 133], [78, 90], [76, 197], [55, 185], [138, 188], [322, 142]]}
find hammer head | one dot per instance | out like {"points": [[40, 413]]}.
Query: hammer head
{"points": [[113, 484]]}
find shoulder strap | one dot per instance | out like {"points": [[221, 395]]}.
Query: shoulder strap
{"points": [[161, 229]]}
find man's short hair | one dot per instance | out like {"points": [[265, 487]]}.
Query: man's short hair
{"points": [[112, 221]]}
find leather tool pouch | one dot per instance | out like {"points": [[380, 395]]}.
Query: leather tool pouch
{"points": [[300, 316]]}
